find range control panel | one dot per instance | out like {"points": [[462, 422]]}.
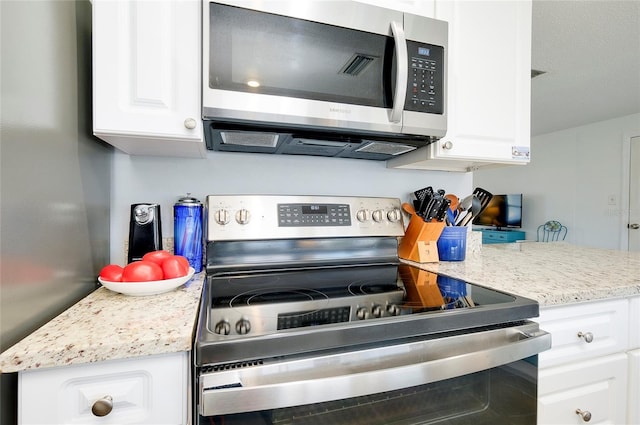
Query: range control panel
{"points": [[260, 217], [314, 215]]}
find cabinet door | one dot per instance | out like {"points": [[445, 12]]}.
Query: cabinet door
{"points": [[416, 7], [595, 387], [489, 88], [144, 390], [585, 330], [146, 76], [633, 410], [634, 319]]}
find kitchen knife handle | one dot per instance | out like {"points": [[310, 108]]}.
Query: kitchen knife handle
{"points": [[402, 73]]}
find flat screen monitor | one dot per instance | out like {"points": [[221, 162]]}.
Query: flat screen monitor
{"points": [[502, 211]]}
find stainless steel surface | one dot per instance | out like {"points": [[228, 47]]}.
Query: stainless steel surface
{"points": [[402, 74], [241, 217], [56, 178], [329, 313], [324, 377], [308, 121]]}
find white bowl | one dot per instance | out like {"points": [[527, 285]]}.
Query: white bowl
{"points": [[152, 287]]}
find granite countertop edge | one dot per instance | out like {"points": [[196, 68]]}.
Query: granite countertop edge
{"points": [[106, 325]]}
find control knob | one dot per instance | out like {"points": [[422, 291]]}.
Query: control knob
{"points": [[362, 313], [393, 309], [243, 216], [362, 215], [394, 215], [377, 216], [243, 326], [222, 328], [377, 310], [221, 217]]}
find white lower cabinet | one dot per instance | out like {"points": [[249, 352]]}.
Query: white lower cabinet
{"points": [[142, 390], [585, 376], [633, 409], [593, 391]]}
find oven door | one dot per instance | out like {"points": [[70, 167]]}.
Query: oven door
{"points": [[339, 65], [487, 376]]}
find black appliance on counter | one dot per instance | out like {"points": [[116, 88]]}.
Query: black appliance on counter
{"points": [[308, 317], [145, 230]]}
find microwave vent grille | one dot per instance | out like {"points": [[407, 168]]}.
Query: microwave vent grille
{"points": [[247, 138], [357, 64], [386, 148]]}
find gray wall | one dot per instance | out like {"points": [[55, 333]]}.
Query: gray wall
{"points": [[164, 180], [55, 177], [571, 177]]}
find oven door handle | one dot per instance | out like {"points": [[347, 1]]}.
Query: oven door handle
{"points": [[357, 373]]}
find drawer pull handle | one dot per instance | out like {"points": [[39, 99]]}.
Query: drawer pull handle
{"points": [[103, 406], [588, 336], [586, 416]]}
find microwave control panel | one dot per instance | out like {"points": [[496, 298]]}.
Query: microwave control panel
{"points": [[425, 90]]}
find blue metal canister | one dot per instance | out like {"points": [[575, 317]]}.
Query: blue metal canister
{"points": [[187, 230]]}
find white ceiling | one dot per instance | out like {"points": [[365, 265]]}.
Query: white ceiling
{"points": [[590, 50]]}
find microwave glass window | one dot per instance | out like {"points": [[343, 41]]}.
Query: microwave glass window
{"points": [[265, 53]]}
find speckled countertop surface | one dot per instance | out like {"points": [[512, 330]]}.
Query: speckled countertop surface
{"points": [[550, 273], [106, 325]]}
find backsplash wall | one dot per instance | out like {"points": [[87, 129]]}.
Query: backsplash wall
{"points": [[163, 180]]}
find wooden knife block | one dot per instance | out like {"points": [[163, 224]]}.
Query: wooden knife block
{"points": [[419, 242]]}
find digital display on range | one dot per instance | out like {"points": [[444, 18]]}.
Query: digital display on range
{"points": [[424, 51], [314, 209], [316, 215]]}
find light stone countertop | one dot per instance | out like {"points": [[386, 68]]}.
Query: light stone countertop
{"points": [[106, 325], [550, 273]]}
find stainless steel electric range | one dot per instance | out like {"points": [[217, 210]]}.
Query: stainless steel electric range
{"points": [[308, 316]]}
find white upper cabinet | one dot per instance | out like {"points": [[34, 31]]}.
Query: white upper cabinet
{"points": [[146, 76], [489, 88], [417, 7]]}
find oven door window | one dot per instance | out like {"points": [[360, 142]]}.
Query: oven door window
{"points": [[501, 395], [257, 52]]}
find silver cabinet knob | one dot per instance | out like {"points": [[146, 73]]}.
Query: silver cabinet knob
{"points": [[103, 406], [447, 145], [190, 123], [588, 336], [586, 415], [634, 226]]}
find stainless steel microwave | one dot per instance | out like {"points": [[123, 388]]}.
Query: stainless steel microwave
{"points": [[322, 77]]}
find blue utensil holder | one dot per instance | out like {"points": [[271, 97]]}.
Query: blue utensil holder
{"points": [[452, 243]]}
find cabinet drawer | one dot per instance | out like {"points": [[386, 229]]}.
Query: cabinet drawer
{"points": [[144, 390], [497, 236], [596, 386], [604, 324]]}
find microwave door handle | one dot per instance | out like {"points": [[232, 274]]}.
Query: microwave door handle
{"points": [[402, 73]]}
